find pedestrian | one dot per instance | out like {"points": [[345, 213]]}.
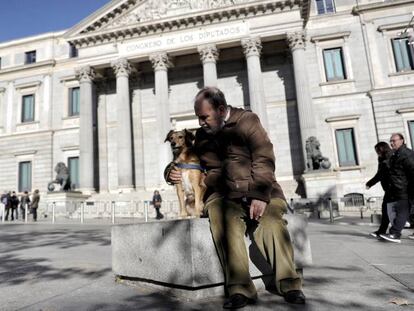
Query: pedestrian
{"points": [[401, 172], [156, 202], [24, 203], [7, 201], [14, 201], [35, 204], [3, 200], [384, 153], [242, 193]]}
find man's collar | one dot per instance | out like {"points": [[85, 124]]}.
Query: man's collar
{"points": [[227, 115]]}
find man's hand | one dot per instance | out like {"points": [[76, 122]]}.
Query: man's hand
{"points": [[174, 176], [257, 209]]}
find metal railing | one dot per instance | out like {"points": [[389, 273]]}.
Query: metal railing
{"points": [[142, 210], [83, 211], [330, 208]]}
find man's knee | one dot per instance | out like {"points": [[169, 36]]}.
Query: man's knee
{"points": [[275, 210]]}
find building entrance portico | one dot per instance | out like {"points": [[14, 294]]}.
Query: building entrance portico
{"points": [[170, 58]]}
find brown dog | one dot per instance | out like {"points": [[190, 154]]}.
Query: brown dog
{"points": [[191, 189]]}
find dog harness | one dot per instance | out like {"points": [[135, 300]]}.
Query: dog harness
{"points": [[190, 166]]}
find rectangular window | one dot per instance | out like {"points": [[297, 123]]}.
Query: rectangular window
{"points": [[411, 130], [25, 176], [28, 106], [345, 143], [73, 166], [73, 51], [30, 57], [334, 64], [325, 6], [403, 54], [74, 99]]}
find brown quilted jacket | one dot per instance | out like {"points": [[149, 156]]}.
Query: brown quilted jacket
{"points": [[239, 159]]}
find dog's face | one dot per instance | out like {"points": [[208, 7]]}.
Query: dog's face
{"points": [[179, 140]]}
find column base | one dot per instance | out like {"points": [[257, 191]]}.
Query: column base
{"points": [[87, 191], [126, 189]]}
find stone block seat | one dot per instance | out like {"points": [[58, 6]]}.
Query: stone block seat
{"points": [[179, 256]]}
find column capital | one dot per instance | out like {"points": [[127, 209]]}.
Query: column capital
{"points": [[121, 67], [208, 53], [160, 61], [296, 40], [252, 46], [85, 74]]}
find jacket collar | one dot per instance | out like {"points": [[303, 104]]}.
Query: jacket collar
{"points": [[235, 115]]}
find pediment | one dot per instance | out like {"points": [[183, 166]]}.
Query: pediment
{"points": [[124, 18], [120, 13]]}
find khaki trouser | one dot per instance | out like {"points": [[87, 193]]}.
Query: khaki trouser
{"points": [[229, 221]]}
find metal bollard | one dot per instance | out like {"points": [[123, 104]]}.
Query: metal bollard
{"points": [[362, 213], [25, 213], [331, 218], [53, 212], [82, 212], [146, 210], [113, 211]]}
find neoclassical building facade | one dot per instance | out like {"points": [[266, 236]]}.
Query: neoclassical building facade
{"points": [[102, 96]]}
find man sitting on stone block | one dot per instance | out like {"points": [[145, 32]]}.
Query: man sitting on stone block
{"points": [[242, 193]]}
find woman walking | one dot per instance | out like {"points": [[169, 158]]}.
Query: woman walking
{"points": [[384, 153]]}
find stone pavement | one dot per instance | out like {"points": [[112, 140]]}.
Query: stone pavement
{"points": [[68, 267]]}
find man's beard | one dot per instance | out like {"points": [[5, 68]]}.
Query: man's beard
{"points": [[211, 131]]}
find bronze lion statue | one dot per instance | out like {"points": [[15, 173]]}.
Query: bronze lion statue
{"points": [[62, 178], [315, 160]]}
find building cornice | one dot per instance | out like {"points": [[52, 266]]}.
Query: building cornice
{"points": [[394, 26], [189, 20], [46, 63], [27, 40], [379, 6], [405, 110], [27, 85], [343, 118], [331, 36]]}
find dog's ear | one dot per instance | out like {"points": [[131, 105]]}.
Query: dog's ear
{"points": [[189, 138], [168, 136]]}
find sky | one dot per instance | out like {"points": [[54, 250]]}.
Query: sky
{"points": [[23, 18]]}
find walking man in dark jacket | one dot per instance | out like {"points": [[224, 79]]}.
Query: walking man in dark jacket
{"points": [[242, 193], [401, 174]]}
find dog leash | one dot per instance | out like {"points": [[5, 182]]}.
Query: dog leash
{"points": [[190, 166]]}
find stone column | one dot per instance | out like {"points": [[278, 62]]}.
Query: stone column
{"points": [[85, 75], [122, 70], [252, 48], [296, 43], [2, 110], [209, 55], [161, 63]]}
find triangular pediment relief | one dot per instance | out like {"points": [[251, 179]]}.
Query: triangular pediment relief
{"points": [[121, 13], [152, 10], [131, 18]]}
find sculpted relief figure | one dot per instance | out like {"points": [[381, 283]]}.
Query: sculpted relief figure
{"points": [[156, 9]]}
